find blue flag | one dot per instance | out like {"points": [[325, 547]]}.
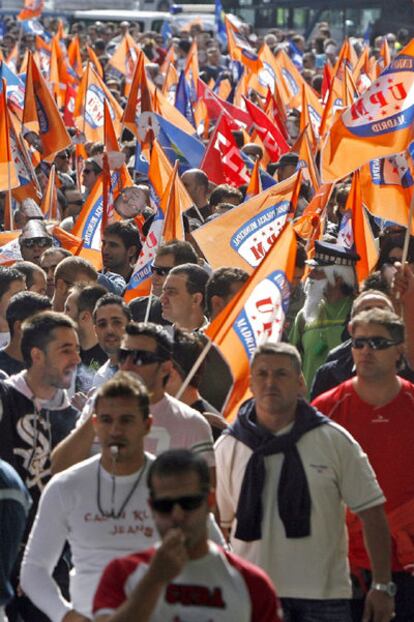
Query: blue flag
{"points": [[220, 25], [183, 99], [178, 145]]}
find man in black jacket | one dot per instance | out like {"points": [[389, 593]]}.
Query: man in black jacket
{"points": [[36, 413]]}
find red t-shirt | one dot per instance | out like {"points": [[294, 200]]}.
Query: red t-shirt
{"points": [[220, 586], [386, 433]]}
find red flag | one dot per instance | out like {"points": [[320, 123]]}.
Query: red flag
{"points": [[273, 140], [222, 161]]}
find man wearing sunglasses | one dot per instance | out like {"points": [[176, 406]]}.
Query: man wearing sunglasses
{"points": [[186, 576], [376, 407], [34, 240], [146, 350], [169, 255]]}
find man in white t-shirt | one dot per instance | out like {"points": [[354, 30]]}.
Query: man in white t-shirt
{"points": [[285, 473], [186, 577], [146, 350], [100, 506]]}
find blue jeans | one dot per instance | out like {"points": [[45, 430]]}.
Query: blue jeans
{"points": [[307, 610]]}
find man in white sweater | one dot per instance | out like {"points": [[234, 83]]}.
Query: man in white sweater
{"points": [[99, 505]]}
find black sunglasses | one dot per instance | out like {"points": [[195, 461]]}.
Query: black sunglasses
{"points": [[375, 343], [160, 270], [187, 503], [139, 357], [42, 242]]}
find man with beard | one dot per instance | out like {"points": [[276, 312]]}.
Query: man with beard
{"points": [[329, 291]]}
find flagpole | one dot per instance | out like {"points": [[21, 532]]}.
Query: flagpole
{"points": [[148, 309], [194, 369], [9, 192], [408, 232]]}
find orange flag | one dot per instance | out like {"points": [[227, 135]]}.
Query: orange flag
{"points": [[306, 124], [173, 222], [49, 205], [89, 107], [255, 184], [379, 122], [159, 173], [74, 56], [244, 235], [191, 69], [309, 226], [67, 240], [124, 60], [387, 188], [364, 241], [41, 114], [139, 101], [95, 61], [8, 174], [255, 315], [170, 83], [54, 77], [31, 9], [306, 160]]}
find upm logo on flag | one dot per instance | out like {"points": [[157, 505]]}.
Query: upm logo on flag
{"points": [[388, 107], [379, 123], [263, 314]]}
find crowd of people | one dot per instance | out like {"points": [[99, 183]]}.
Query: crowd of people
{"points": [[126, 492]]}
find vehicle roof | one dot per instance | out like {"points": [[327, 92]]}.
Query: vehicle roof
{"points": [[119, 15]]}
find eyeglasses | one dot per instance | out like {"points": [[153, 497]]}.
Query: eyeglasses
{"points": [[88, 170], [375, 343], [187, 503], [161, 271], [139, 357], [42, 242]]}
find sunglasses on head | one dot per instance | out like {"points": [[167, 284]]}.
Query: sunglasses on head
{"points": [[375, 343], [161, 271], [139, 357], [187, 503], [42, 242]]}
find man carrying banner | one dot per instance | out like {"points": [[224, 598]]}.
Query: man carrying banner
{"points": [[329, 293], [284, 473]]}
